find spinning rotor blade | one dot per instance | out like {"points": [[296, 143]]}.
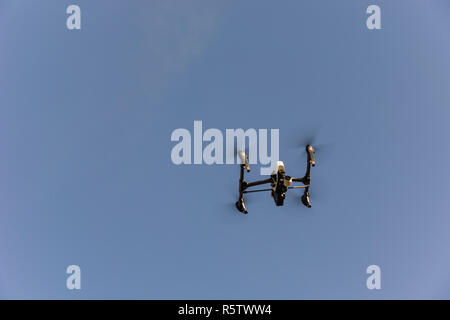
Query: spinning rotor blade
{"points": [[309, 136]]}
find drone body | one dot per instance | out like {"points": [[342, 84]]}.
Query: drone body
{"points": [[280, 183]]}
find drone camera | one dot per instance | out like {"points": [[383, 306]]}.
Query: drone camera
{"points": [[279, 198]]}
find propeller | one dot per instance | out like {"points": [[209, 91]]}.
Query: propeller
{"points": [[309, 136]]}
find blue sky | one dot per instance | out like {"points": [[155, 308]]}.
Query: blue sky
{"points": [[86, 175]]}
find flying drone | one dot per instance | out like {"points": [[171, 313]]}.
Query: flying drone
{"points": [[280, 183]]}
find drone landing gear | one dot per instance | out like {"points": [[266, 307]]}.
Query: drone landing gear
{"points": [[305, 199], [241, 206]]}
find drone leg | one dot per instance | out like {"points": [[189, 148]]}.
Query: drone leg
{"points": [[307, 178], [241, 206], [305, 198], [240, 203]]}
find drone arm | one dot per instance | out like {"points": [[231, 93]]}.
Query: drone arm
{"points": [[257, 183], [302, 180], [259, 190]]}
